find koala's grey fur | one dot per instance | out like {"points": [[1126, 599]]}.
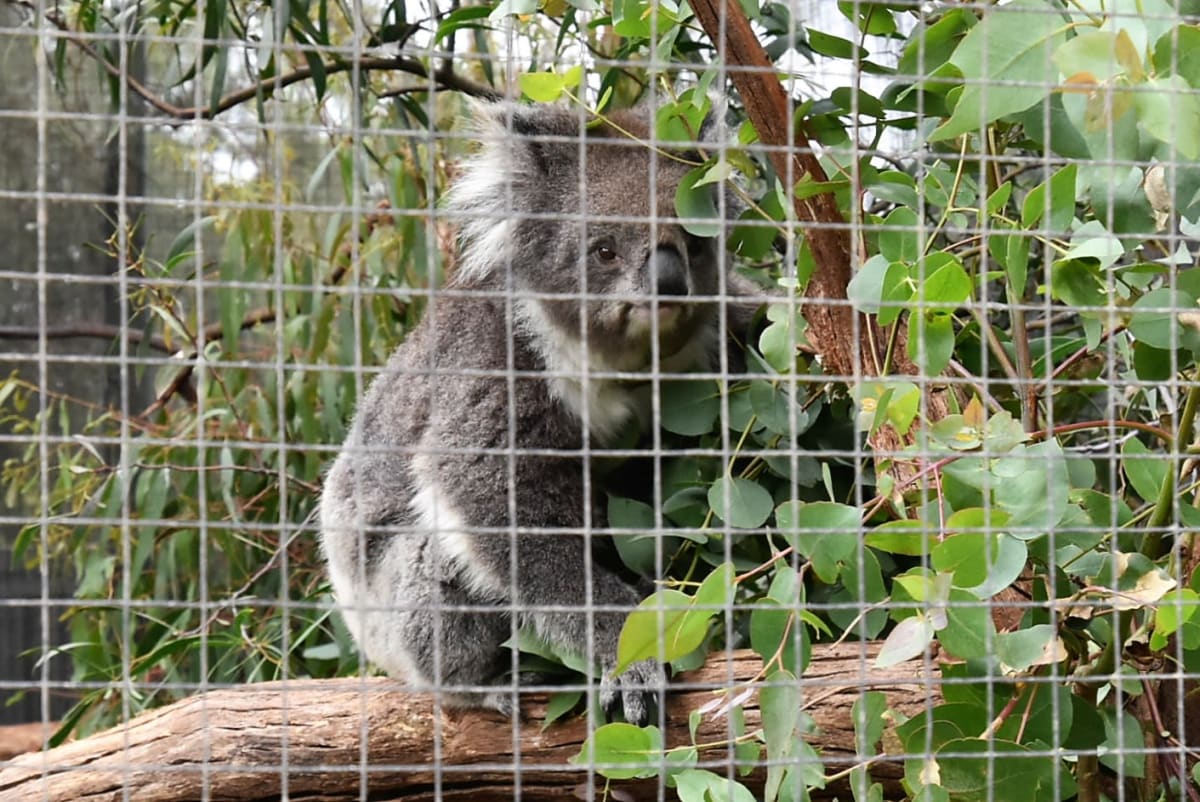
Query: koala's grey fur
{"points": [[459, 499]]}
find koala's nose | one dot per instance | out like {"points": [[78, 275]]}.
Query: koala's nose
{"points": [[668, 273]]}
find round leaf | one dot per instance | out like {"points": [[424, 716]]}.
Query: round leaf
{"points": [[622, 751], [740, 502], [690, 408]]}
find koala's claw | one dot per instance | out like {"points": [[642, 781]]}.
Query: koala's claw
{"points": [[637, 690], [499, 700]]}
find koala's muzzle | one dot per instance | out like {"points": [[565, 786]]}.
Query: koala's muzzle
{"points": [[667, 272]]}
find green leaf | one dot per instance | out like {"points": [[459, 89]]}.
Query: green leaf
{"points": [[681, 121], [1078, 283], [869, 713], [741, 503], [967, 555], [780, 703], [754, 237], [1124, 744], [1169, 110], [696, 204], [220, 67], [468, 17], [857, 101], [627, 513], [779, 341], [1146, 470], [528, 642], [1176, 608], [1028, 647], [1032, 485], [934, 45], [999, 199], [630, 19], [697, 785], [897, 188], [899, 239], [823, 531], [1006, 565], [1093, 241], [946, 286], [1016, 262], [543, 87], [908, 639], [866, 287], [324, 651], [1015, 43], [716, 173], [1057, 196], [560, 704], [857, 606], [690, 407], [969, 631], [185, 241], [834, 46], [775, 631], [622, 751], [776, 409], [1092, 52], [317, 67], [637, 551], [1154, 318], [1178, 52], [1152, 364], [715, 593], [931, 342], [983, 770], [684, 621], [904, 536]]}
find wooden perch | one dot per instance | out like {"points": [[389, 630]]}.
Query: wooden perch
{"points": [[17, 739], [320, 740]]}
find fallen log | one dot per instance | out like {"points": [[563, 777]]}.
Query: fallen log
{"points": [[17, 739], [324, 739]]}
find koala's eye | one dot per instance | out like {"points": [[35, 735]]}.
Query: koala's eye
{"points": [[605, 253]]}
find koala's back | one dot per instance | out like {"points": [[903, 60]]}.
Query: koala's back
{"points": [[442, 407]]}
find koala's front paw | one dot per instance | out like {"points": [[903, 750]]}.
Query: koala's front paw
{"points": [[500, 700], [637, 688]]}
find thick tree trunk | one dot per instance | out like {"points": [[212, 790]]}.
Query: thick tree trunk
{"points": [[322, 740], [849, 345]]}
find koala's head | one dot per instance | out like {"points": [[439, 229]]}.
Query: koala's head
{"points": [[584, 216]]}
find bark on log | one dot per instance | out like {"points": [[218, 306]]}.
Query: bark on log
{"points": [[17, 739], [321, 740]]}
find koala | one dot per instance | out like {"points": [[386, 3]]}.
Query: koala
{"points": [[460, 507]]}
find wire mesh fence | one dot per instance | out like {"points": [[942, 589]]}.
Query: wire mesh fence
{"points": [[629, 400]]}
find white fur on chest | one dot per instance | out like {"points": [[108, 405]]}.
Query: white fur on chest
{"points": [[607, 405]]}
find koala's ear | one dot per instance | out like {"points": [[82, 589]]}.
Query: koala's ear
{"points": [[535, 140]]}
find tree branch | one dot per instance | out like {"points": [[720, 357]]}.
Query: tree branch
{"points": [[830, 315], [326, 738]]}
